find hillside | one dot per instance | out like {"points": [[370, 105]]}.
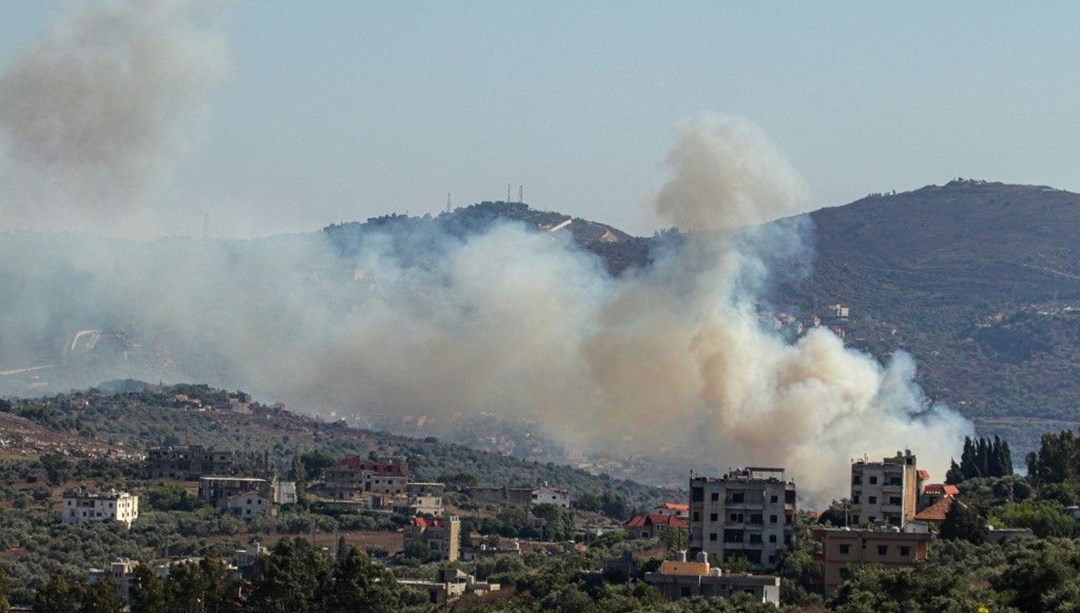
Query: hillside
{"points": [[979, 281]]}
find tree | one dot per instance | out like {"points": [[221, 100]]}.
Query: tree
{"points": [[5, 585], [147, 592], [675, 539], [363, 585], [964, 522], [102, 597], [294, 578], [57, 468], [56, 596]]}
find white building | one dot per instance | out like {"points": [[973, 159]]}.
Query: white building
{"points": [[551, 495], [246, 504], [82, 508]]}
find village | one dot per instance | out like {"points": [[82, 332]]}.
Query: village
{"points": [[725, 539]]}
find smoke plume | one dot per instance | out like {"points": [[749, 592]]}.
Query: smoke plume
{"points": [[94, 117], [676, 359]]}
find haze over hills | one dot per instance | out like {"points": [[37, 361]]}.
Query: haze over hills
{"points": [[437, 324]]}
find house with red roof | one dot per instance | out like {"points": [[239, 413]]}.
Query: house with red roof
{"points": [[935, 492], [442, 536], [652, 524], [678, 509]]}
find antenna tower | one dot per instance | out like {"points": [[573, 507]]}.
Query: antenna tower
{"points": [[521, 194], [508, 193], [447, 202]]}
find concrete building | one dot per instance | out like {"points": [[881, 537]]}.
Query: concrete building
{"points": [[216, 489], [749, 513], [842, 548], [932, 493], [187, 462], [442, 536], [450, 585], [682, 579], [884, 492], [79, 507], [121, 571], [551, 495], [283, 492], [246, 505], [357, 475]]}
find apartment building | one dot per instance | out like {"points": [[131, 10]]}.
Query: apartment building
{"points": [[842, 548], [79, 507], [442, 536], [749, 513], [187, 462], [216, 490], [356, 475], [885, 492]]}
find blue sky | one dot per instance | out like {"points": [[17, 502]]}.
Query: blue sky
{"points": [[343, 110]]}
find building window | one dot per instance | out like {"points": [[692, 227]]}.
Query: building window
{"points": [[755, 518], [697, 516], [845, 548], [894, 500], [883, 550], [714, 517], [905, 551], [856, 479], [712, 536], [715, 497], [772, 519], [755, 539], [873, 500], [873, 480], [772, 538], [736, 518], [774, 499], [738, 497]]}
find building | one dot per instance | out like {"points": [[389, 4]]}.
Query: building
{"points": [[678, 509], [450, 585], [749, 513], [442, 536], [682, 579], [283, 492], [187, 462], [356, 475], [653, 524], [551, 495], [215, 490], [931, 493], [884, 492], [79, 507], [246, 505], [842, 548]]}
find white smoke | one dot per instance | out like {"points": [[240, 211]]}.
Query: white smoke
{"points": [[508, 322], [95, 116]]}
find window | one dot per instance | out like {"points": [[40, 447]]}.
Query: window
{"points": [[715, 497], [894, 500], [772, 538], [855, 499], [755, 518], [697, 494], [905, 551], [738, 497], [697, 516], [712, 536], [883, 550], [714, 517], [755, 539], [736, 518], [772, 519], [873, 480], [774, 499], [845, 548], [873, 500], [856, 479]]}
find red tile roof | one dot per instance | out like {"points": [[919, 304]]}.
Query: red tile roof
{"points": [[674, 506], [922, 474], [654, 519], [941, 489], [423, 522], [937, 511]]}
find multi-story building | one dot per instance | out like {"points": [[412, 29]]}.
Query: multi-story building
{"points": [[748, 513], [79, 507], [356, 474], [884, 492], [187, 462], [551, 495], [842, 548], [442, 536], [214, 490], [246, 504]]}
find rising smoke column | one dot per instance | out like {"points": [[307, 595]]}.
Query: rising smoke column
{"points": [[741, 393], [95, 116]]}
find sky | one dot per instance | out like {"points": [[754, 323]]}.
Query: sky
{"points": [[340, 110]]}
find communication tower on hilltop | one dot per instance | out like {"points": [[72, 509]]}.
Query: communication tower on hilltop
{"points": [[521, 194], [447, 202]]}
